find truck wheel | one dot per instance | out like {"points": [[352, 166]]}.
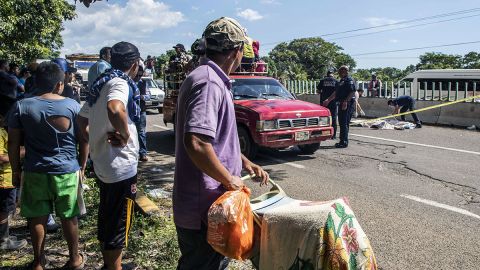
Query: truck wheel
{"points": [[309, 149], [248, 147]]}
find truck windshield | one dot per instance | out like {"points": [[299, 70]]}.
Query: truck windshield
{"points": [[259, 89]]}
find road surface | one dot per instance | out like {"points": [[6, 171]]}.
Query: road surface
{"points": [[416, 193]]}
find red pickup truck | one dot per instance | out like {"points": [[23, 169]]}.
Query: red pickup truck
{"points": [[270, 116]]}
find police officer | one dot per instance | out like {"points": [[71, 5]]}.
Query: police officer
{"points": [[345, 96], [326, 87], [404, 104]]}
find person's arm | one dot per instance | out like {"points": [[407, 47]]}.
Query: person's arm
{"points": [[202, 154], [254, 169], [345, 102], [82, 137], [396, 110], [329, 99], [14, 153], [117, 114]]}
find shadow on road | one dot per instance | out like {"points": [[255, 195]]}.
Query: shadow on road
{"points": [[161, 142]]}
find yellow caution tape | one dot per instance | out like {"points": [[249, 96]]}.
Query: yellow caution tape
{"points": [[419, 110]]}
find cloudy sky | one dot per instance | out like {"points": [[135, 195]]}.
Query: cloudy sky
{"points": [[156, 25]]}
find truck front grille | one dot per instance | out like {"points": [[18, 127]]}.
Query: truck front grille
{"points": [[298, 123]]}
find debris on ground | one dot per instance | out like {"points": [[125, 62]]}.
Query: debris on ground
{"points": [[390, 124]]}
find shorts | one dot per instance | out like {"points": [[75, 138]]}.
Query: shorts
{"points": [[43, 193], [115, 212], [8, 198]]}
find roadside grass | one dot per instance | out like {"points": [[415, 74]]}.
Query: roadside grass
{"points": [[152, 241]]}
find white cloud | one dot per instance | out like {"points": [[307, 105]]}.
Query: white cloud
{"points": [[250, 15], [377, 21], [270, 2], [106, 23]]}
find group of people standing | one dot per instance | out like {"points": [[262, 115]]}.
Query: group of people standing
{"points": [[340, 98], [47, 145], [58, 136]]}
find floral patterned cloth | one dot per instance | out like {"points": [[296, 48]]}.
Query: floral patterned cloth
{"points": [[305, 235]]}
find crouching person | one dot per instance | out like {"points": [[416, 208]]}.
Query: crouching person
{"points": [[51, 169]]}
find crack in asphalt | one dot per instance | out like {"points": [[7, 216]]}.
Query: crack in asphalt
{"points": [[467, 192]]}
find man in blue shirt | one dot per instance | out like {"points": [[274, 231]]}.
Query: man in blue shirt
{"points": [[404, 104], [51, 169], [345, 96], [100, 66]]}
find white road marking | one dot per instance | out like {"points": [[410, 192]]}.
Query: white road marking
{"points": [[161, 127], [441, 205], [295, 165], [418, 144]]}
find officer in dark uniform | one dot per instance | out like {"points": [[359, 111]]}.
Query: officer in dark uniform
{"points": [[345, 96], [404, 104], [326, 87]]}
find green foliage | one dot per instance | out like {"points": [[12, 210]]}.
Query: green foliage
{"points": [[161, 62], [471, 60], [30, 29], [429, 60], [308, 58], [434, 60]]}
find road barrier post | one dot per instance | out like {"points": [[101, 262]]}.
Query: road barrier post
{"points": [[449, 90], [456, 90]]}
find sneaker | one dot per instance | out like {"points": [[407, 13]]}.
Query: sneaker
{"points": [[472, 127], [418, 125], [12, 244]]}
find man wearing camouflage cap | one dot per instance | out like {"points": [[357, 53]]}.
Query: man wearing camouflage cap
{"points": [[208, 158]]}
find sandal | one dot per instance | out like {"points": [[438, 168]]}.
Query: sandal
{"points": [[78, 267]]}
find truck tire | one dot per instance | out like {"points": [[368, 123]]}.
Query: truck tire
{"points": [[248, 147], [309, 149]]}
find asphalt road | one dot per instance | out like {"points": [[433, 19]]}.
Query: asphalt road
{"points": [[416, 193]]}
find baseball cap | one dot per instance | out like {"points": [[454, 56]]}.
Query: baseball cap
{"points": [[64, 65], [179, 46], [124, 51], [224, 33]]}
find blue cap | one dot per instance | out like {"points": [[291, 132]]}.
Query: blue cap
{"points": [[63, 64]]}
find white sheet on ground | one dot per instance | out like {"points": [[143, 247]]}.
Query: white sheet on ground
{"points": [[385, 124]]}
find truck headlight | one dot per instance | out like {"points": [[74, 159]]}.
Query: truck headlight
{"points": [[324, 121], [265, 125]]}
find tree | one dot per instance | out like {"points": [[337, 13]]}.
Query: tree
{"points": [[161, 62], [471, 60], [30, 29], [434, 60], [308, 58]]}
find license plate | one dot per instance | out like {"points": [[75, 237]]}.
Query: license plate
{"points": [[302, 136]]}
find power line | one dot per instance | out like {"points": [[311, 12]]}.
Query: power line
{"points": [[392, 24], [405, 27], [407, 21], [419, 48]]}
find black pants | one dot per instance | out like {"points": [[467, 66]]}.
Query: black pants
{"points": [[409, 107], [333, 107], [344, 117], [197, 254]]}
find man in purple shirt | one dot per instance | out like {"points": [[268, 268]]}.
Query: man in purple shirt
{"points": [[208, 158]]}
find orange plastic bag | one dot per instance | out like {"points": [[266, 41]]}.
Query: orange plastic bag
{"points": [[230, 224]]}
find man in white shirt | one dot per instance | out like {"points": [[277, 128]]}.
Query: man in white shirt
{"points": [[107, 120]]}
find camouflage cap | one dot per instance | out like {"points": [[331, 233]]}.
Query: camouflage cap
{"points": [[226, 33]]}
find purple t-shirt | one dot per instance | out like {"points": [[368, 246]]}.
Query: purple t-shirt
{"points": [[205, 106]]}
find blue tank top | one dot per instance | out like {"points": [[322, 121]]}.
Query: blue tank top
{"points": [[47, 150]]}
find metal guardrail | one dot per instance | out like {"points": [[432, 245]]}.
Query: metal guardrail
{"points": [[432, 90]]}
